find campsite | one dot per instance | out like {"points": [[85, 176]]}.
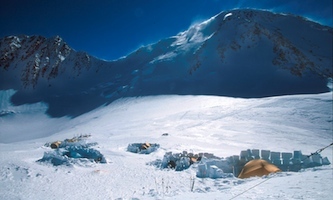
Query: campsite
{"points": [[248, 164], [219, 129], [166, 100]]}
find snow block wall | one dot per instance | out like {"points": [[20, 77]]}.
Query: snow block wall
{"points": [[286, 161], [214, 168], [209, 166], [217, 168]]}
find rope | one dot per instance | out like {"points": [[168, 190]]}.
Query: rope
{"points": [[318, 151], [251, 187], [269, 177]]}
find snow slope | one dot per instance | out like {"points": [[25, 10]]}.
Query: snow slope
{"points": [[220, 125]]}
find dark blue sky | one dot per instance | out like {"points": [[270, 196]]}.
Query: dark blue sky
{"points": [[109, 29]]}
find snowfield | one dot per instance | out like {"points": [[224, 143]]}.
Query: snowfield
{"points": [[220, 125]]}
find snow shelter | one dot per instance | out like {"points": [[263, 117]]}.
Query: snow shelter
{"points": [[258, 167], [142, 148]]}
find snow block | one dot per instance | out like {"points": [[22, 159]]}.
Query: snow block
{"points": [[297, 157], [55, 158], [275, 158], [255, 153], [265, 154], [202, 171], [215, 172], [182, 163], [326, 161]]}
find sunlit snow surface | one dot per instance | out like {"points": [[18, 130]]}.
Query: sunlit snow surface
{"points": [[219, 125]]}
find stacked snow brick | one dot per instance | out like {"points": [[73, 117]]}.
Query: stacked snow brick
{"points": [[285, 161]]}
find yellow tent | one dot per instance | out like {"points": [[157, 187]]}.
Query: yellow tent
{"points": [[258, 168]]}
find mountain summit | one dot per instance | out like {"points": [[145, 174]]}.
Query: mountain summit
{"points": [[239, 53]]}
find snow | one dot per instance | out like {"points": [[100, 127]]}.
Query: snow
{"points": [[223, 126], [330, 83], [61, 57], [227, 15], [194, 36], [164, 57], [31, 120]]}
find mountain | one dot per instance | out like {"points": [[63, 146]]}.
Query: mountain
{"points": [[239, 53]]}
